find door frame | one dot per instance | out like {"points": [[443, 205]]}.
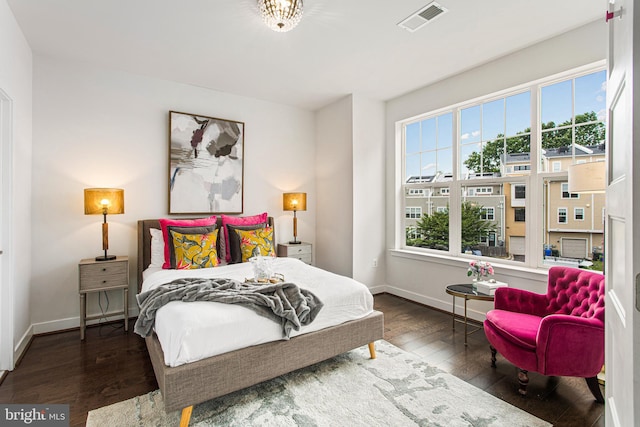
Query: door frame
{"points": [[7, 356]]}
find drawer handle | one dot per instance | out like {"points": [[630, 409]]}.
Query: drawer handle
{"points": [[104, 281], [104, 269]]}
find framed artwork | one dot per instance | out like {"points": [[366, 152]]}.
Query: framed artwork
{"points": [[206, 162]]}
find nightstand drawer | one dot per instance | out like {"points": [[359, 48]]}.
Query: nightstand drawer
{"points": [[302, 257], [294, 251], [103, 275]]}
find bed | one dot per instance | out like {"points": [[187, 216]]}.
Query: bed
{"points": [[192, 382]]}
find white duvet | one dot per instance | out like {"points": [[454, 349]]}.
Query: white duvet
{"points": [[190, 331]]}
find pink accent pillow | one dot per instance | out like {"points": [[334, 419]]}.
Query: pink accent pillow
{"points": [[239, 220], [165, 222]]}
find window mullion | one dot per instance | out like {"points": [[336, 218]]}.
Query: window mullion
{"points": [[455, 223]]}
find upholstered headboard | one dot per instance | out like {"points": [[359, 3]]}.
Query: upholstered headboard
{"points": [[144, 243]]}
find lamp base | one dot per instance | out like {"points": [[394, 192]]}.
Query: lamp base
{"points": [[105, 258], [295, 242]]}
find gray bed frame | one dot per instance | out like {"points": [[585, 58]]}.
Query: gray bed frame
{"points": [[187, 385]]}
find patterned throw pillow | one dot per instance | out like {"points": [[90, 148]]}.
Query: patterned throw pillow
{"points": [[165, 222], [195, 250], [236, 220], [256, 242]]}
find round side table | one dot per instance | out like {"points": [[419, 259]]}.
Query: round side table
{"points": [[466, 291]]}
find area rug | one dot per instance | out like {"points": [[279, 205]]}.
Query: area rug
{"points": [[395, 389]]}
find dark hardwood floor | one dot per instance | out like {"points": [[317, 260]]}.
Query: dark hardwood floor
{"points": [[111, 366]]}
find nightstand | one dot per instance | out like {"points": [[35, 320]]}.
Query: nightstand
{"points": [[301, 251], [97, 276]]}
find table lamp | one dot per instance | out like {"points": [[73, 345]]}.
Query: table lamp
{"points": [[103, 201], [294, 202]]}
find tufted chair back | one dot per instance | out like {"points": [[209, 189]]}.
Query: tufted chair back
{"points": [[575, 292], [557, 333]]}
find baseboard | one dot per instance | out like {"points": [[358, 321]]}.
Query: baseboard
{"points": [[74, 322], [22, 346], [380, 289], [441, 305]]}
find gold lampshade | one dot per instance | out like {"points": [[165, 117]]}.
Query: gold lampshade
{"points": [[294, 201], [587, 178], [96, 200], [103, 201]]}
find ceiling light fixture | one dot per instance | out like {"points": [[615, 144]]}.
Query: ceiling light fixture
{"points": [[281, 15]]}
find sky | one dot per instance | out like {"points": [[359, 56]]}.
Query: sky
{"points": [[428, 143]]}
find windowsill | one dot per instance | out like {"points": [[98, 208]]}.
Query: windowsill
{"points": [[505, 269]]}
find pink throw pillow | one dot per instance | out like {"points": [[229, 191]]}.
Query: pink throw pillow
{"points": [[239, 220], [165, 222]]}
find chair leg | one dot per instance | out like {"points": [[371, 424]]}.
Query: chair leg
{"points": [[592, 382], [523, 379], [493, 356]]}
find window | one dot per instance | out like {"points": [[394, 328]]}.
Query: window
{"points": [[562, 215], [488, 214], [565, 192], [572, 119], [413, 212], [419, 192], [495, 182], [428, 158]]}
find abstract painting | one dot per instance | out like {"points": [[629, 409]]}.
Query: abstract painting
{"points": [[205, 164]]}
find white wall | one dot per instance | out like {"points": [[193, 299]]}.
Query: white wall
{"points": [[15, 82], [423, 278], [350, 181], [334, 187], [99, 127], [368, 192]]}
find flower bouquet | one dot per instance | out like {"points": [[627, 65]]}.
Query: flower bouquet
{"points": [[479, 269]]}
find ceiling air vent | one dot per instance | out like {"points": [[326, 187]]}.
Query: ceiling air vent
{"points": [[423, 16]]}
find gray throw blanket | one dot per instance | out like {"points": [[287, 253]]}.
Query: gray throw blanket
{"points": [[285, 303]]}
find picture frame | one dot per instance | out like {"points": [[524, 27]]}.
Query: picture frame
{"points": [[206, 164]]}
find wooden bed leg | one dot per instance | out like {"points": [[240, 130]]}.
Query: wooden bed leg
{"points": [[372, 350], [186, 416]]}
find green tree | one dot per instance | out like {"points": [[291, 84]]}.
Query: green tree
{"points": [[434, 231], [490, 158], [434, 228], [473, 226]]}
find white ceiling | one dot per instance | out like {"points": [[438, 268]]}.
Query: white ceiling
{"points": [[339, 47]]}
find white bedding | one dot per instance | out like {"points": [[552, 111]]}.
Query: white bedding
{"points": [[190, 331]]}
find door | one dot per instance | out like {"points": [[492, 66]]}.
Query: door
{"points": [[622, 227], [573, 248], [6, 284]]}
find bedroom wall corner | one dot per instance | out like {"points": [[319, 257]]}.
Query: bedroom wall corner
{"points": [[334, 187], [16, 83], [369, 266]]}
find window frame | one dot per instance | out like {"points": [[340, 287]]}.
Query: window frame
{"points": [[562, 212], [535, 225]]}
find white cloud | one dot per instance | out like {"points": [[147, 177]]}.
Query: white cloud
{"points": [[602, 114], [475, 133], [464, 136]]}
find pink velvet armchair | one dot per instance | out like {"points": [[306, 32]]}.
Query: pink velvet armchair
{"points": [[557, 334]]}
